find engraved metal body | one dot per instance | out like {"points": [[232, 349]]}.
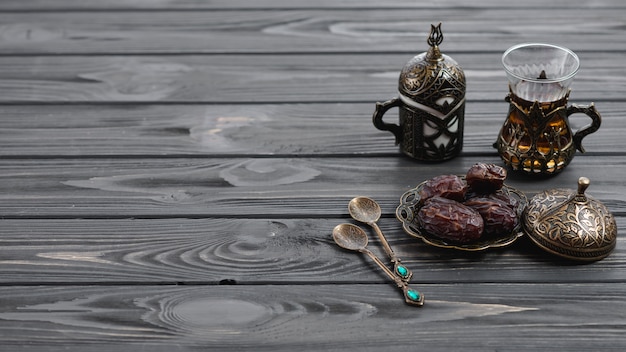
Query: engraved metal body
{"points": [[536, 137]]}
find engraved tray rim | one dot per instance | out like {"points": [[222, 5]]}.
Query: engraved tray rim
{"points": [[410, 200]]}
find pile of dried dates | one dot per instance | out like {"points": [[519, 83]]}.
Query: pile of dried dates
{"points": [[465, 209]]}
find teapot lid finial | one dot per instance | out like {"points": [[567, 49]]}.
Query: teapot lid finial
{"points": [[434, 40], [583, 183]]}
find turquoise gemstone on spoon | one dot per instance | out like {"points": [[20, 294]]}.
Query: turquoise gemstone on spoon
{"points": [[413, 295], [402, 271]]}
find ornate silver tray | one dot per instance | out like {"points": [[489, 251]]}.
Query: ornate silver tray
{"points": [[410, 204]]}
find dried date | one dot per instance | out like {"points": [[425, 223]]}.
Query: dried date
{"points": [[498, 217], [485, 178], [450, 219], [446, 186], [505, 198]]}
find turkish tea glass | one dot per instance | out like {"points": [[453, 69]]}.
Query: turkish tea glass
{"points": [[536, 137]]}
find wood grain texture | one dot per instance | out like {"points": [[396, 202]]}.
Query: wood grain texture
{"points": [[269, 129], [171, 171], [147, 5], [258, 252], [243, 79], [308, 30], [465, 317], [256, 187]]}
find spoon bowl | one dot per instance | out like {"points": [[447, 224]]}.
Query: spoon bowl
{"points": [[350, 237], [364, 209]]}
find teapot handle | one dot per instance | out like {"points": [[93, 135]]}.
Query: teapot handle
{"points": [[377, 118], [596, 121]]}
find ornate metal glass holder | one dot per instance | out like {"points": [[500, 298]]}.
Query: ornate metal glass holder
{"points": [[536, 137]]}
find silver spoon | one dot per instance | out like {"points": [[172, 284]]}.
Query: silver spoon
{"points": [[366, 210], [352, 237]]}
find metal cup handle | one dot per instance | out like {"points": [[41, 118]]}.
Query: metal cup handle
{"points": [[377, 118], [596, 121]]}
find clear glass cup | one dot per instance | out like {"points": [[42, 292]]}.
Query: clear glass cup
{"points": [[541, 72]]}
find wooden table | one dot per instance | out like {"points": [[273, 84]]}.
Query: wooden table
{"points": [[171, 173]]}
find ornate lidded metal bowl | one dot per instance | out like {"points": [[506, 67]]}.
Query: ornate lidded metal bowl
{"points": [[570, 224]]}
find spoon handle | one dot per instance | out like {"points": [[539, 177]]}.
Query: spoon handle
{"points": [[389, 273], [411, 296], [402, 271]]}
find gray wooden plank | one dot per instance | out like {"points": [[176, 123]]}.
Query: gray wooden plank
{"points": [[264, 79], [147, 5], [308, 31], [509, 317], [269, 129], [260, 251], [376, 30], [251, 187]]}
